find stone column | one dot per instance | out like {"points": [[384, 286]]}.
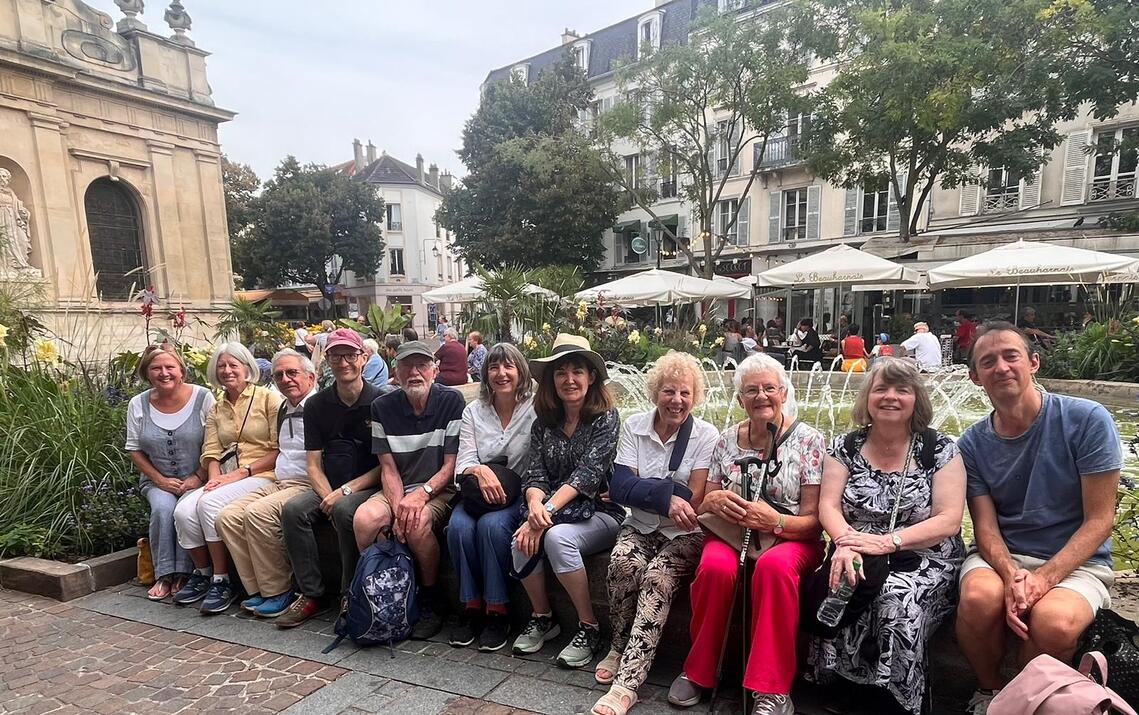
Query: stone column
{"points": [[215, 230], [166, 260], [58, 225]]}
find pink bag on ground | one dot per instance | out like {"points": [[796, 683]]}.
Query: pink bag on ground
{"points": [[1048, 687]]}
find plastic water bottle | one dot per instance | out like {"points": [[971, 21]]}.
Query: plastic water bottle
{"points": [[834, 605]]}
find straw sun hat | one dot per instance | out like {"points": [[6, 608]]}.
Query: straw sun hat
{"points": [[566, 344]]}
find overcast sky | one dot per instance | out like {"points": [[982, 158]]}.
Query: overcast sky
{"points": [[306, 76]]}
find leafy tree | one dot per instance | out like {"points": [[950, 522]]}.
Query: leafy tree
{"points": [[312, 224], [537, 192], [697, 107], [241, 186], [1098, 43], [926, 91]]}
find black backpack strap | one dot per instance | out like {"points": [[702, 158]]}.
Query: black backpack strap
{"points": [[281, 415], [850, 442], [529, 566], [681, 445]]}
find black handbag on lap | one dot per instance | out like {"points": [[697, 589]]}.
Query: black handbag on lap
{"points": [[1114, 636]]}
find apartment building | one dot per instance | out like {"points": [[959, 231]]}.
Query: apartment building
{"points": [[789, 213], [417, 251]]}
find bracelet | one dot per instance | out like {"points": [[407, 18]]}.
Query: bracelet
{"points": [[248, 471]]}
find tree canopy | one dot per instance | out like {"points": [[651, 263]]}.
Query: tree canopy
{"points": [[927, 91], [536, 192], [696, 107], [240, 184], [312, 224], [1098, 43]]}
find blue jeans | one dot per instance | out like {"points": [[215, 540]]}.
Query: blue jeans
{"points": [[169, 558], [480, 550]]}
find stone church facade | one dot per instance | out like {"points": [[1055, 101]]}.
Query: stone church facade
{"points": [[110, 135]]}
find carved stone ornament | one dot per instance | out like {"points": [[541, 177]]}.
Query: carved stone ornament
{"points": [[178, 19], [100, 50], [15, 233], [130, 8]]}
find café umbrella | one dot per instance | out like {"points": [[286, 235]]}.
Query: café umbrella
{"points": [[1030, 263], [657, 287], [470, 290], [837, 266]]}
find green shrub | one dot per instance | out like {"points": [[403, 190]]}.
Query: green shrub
{"points": [[1102, 351], [61, 430]]}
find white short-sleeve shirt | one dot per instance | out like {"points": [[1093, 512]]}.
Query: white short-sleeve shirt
{"points": [[482, 438], [641, 450]]}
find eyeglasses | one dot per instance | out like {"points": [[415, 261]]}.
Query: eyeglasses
{"points": [[342, 357], [292, 373], [768, 390]]}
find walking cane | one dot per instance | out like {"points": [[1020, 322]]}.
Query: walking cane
{"points": [[745, 464]]}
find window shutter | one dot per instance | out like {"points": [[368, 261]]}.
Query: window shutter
{"points": [[1030, 191], [814, 194], [742, 221], [850, 212], [1075, 168], [737, 137], [774, 217], [713, 153], [606, 104], [893, 211], [970, 199]]}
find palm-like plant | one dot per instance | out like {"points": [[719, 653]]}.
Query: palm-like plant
{"points": [[254, 324], [505, 303], [379, 323]]}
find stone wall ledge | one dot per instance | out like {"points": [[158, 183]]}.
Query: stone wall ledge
{"points": [[64, 581]]}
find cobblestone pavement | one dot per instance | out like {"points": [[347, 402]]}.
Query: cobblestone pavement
{"points": [[61, 659]]}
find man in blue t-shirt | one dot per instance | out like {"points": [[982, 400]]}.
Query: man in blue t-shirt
{"points": [[1042, 476]]}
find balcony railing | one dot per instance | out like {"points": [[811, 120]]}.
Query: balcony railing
{"points": [[395, 225], [1108, 189], [781, 151], [1007, 201], [668, 189]]}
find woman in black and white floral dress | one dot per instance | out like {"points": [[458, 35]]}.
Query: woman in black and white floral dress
{"points": [[886, 493]]}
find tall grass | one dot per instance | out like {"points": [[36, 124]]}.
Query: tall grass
{"points": [[59, 434]]}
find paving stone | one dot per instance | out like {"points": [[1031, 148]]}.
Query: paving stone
{"points": [[459, 678], [550, 699]]}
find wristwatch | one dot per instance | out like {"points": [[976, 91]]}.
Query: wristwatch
{"points": [[897, 539], [428, 488], [248, 471], [345, 490], [779, 527], [550, 508]]}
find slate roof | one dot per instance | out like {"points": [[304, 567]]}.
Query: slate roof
{"points": [[387, 170], [619, 40]]}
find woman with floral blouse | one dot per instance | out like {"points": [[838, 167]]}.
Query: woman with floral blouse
{"points": [[572, 447]]}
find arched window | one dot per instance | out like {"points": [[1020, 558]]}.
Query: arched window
{"points": [[116, 241]]}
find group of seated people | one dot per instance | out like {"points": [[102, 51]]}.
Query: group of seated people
{"points": [[526, 479]]}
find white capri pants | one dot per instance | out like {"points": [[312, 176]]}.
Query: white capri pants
{"points": [[197, 511], [566, 544]]}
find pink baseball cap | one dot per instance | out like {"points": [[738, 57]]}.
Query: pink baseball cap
{"points": [[344, 336]]}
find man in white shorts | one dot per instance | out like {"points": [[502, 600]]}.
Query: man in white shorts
{"points": [[1043, 471]]}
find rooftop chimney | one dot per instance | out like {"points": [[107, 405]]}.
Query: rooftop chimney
{"points": [[419, 168], [569, 37], [358, 154], [371, 151], [445, 182], [433, 174]]}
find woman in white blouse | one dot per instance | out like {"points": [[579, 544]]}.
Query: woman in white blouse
{"points": [[495, 427]]}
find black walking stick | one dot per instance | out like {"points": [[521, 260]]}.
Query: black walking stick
{"points": [[769, 467]]}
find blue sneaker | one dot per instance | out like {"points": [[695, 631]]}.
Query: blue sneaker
{"points": [[276, 605], [250, 604], [219, 598], [194, 590]]}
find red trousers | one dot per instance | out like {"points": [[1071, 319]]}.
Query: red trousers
{"points": [[774, 612]]}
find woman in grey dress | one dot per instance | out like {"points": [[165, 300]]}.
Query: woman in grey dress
{"points": [[892, 495], [165, 430]]}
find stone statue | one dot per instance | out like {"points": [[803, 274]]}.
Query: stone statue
{"points": [[14, 234], [178, 19], [130, 8]]}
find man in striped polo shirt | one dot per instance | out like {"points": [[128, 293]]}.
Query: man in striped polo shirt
{"points": [[415, 433]]}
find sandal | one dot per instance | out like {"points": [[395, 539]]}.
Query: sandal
{"points": [[610, 663], [615, 700], [161, 590]]}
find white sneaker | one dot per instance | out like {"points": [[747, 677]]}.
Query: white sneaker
{"points": [[770, 704], [979, 703]]}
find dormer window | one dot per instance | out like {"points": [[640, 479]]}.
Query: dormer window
{"points": [[648, 33], [581, 56], [520, 73]]}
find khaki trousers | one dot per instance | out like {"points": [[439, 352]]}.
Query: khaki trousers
{"points": [[250, 526]]}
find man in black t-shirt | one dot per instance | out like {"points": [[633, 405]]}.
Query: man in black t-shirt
{"points": [[342, 469]]}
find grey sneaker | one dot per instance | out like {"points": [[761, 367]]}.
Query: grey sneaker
{"points": [[771, 704], [683, 693], [539, 630], [582, 649]]}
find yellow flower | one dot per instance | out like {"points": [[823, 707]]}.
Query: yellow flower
{"points": [[46, 351], [703, 330], [635, 337], [3, 334], [657, 331], [546, 327], [531, 343], [1133, 320], [695, 343], [582, 305], [719, 342]]}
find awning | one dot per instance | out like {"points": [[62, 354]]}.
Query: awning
{"points": [[670, 220], [624, 226]]}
